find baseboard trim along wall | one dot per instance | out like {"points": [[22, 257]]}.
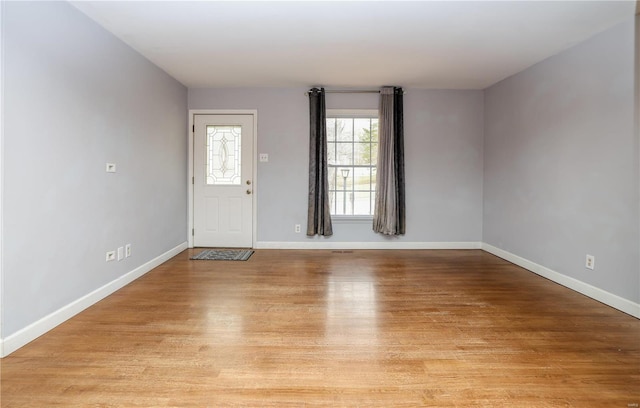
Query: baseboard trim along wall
{"points": [[37, 329], [319, 244], [600, 295]]}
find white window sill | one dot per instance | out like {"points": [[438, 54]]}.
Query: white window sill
{"points": [[352, 219]]}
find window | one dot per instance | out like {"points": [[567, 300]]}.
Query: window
{"points": [[223, 155], [352, 152]]}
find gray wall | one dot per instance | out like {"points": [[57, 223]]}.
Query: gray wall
{"points": [[443, 142], [76, 98], [561, 163]]}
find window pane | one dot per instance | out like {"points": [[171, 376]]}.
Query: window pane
{"points": [[361, 203], [345, 153], [374, 154], [374, 130], [223, 155], [332, 178], [362, 129], [362, 178], [331, 129], [344, 131], [344, 177], [344, 202], [331, 153], [362, 153]]}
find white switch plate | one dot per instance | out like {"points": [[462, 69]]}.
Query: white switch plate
{"points": [[127, 250], [120, 253], [264, 157], [111, 167], [591, 262], [111, 256]]}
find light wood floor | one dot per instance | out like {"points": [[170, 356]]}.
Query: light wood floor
{"points": [[323, 328]]}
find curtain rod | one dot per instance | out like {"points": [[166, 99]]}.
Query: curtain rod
{"points": [[348, 91], [354, 91]]}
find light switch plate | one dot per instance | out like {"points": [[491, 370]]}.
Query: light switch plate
{"points": [[111, 168]]}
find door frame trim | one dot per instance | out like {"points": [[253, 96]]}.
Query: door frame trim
{"points": [[190, 137]]}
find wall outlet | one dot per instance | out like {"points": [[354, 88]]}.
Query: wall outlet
{"points": [[264, 157], [120, 253], [127, 250], [111, 256], [111, 168], [297, 228], [591, 262]]}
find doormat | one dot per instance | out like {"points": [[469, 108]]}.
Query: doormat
{"points": [[223, 255]]}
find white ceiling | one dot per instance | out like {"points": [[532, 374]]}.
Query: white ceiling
{"points": [[415, 44]]}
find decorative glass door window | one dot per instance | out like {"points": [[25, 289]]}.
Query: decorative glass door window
{"points": [[223, 155]]}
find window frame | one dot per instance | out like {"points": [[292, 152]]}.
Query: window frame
{"points": [[352, 114]]}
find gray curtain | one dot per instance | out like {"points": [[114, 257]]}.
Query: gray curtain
{"points": [[318, 216], [389, 213]]}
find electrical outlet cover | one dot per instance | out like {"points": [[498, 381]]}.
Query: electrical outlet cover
{"points": [[590, 262]]}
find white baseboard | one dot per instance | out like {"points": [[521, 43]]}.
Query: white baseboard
{"points": [[320, 244], [600, 295], [37, 329]]}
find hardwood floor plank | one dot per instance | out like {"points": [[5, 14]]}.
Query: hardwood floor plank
{"points": [[454, 328]]}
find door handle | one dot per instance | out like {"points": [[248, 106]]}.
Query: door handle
{"points": [[248, 191], [248, 182]]}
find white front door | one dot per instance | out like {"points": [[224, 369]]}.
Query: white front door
{"points": [[223, 181]]}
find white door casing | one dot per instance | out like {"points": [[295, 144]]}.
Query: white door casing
{"points": [[223, 196]]}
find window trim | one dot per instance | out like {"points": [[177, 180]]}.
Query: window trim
{"points": [[351, 219], [353, 113], [356, 114]]}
